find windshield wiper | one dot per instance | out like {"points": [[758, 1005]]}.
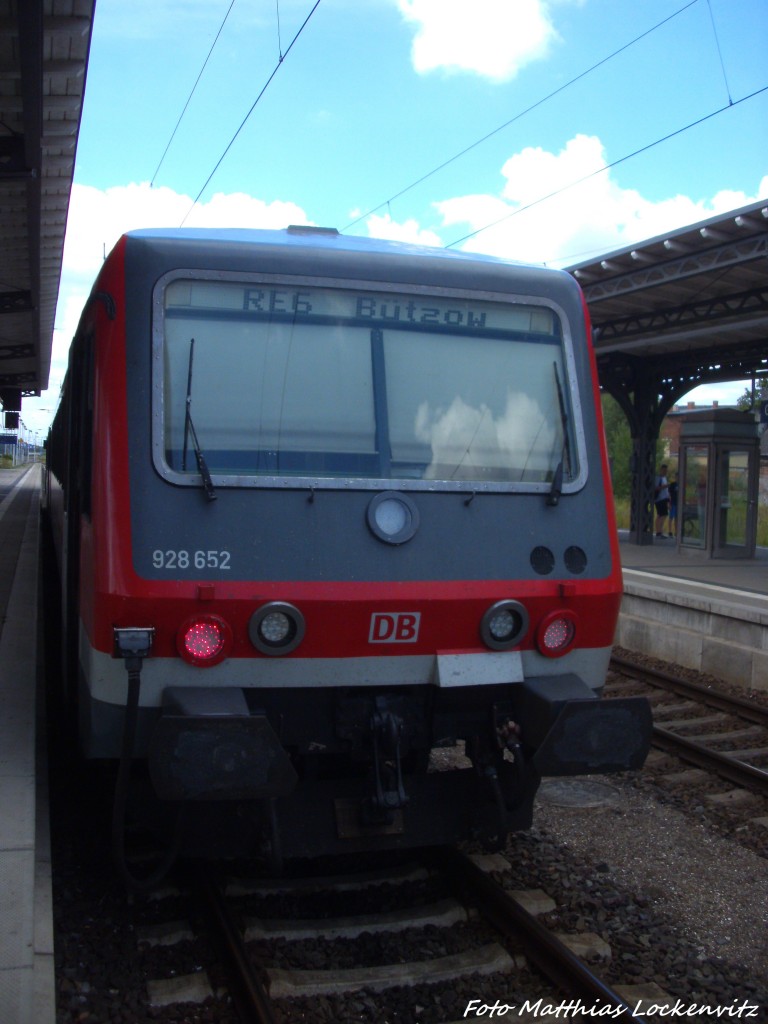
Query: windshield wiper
{"points": [[565, 456], [189, 429]]}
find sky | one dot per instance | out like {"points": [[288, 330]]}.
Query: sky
{"points": [[550, 131]]}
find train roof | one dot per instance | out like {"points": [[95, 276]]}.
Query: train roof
{"points": [[311, 250], [318, 238]]}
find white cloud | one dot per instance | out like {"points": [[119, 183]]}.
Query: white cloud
{"points": [[97, 218], [534, 172], [539, 215], [407, 231], [493, 38]]}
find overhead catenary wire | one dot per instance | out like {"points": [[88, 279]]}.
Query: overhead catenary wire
{"points": [[255, 103], [279, 40], [606, 167], [521, 114], [719, 51], [192, 92]]}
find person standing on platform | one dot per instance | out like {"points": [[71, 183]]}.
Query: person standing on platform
{"points": [[661, 499], [672, 507]]}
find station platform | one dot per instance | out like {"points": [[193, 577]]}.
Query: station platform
{"points": [[708, 614], [27, 978], [664, 558]]}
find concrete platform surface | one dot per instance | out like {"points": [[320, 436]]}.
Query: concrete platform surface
{"points": [[27, 981], [707, 614], [664, 558]]}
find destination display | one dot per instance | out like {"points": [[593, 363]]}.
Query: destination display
{"points": [[313, 304]]}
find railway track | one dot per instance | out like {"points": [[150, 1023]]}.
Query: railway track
{"points": [[312, 950], [722, 734], [506, 949], [554, 958]]}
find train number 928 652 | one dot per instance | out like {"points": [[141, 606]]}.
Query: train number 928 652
{"points": [[183, 559]]}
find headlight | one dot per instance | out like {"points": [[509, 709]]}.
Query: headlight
{"points": [[276, 628], [504, 625], [392, 517]]}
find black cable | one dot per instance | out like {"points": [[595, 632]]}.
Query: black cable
{"points": [[606, 167], [253, 107], [200, 75], [719, 51], [122, 786], [517, 117], [279, 40]]}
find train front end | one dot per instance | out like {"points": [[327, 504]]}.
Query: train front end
{"points": [[350, 547]]}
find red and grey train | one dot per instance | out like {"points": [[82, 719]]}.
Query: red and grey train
{"points": [[324, 506]]}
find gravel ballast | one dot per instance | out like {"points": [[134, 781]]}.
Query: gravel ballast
{"points": [[715, 890]]}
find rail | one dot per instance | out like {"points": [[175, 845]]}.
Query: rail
{"points": [[731, 768], [250, 996], [694, 691], [553, 958]]}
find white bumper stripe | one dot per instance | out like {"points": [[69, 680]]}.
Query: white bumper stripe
{"points": [[107, 678]]}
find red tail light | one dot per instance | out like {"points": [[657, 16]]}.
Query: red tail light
{"points": [[556, 633], [204, 640]]}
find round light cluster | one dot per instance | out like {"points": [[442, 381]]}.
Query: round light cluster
{"points": [[392, 517], [504, 625], [556, 633], [276, 628], [204, 640]]}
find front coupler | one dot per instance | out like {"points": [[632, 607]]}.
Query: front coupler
{"points": [[388, 791]]}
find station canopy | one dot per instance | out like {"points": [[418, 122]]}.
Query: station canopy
{"points": [[692, 302], [43, 58]]}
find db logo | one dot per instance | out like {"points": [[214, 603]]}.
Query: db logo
{"points": [[394, 628]]}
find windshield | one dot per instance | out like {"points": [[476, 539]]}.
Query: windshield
{"points": [[331, 384]]}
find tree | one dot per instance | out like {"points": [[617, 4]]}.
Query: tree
{"points": [[761, 391], [619, 441]]}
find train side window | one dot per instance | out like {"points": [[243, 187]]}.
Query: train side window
{"points": [[81, 452]]}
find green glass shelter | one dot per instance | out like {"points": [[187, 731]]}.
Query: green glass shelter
{"points": [[718, 483]]}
